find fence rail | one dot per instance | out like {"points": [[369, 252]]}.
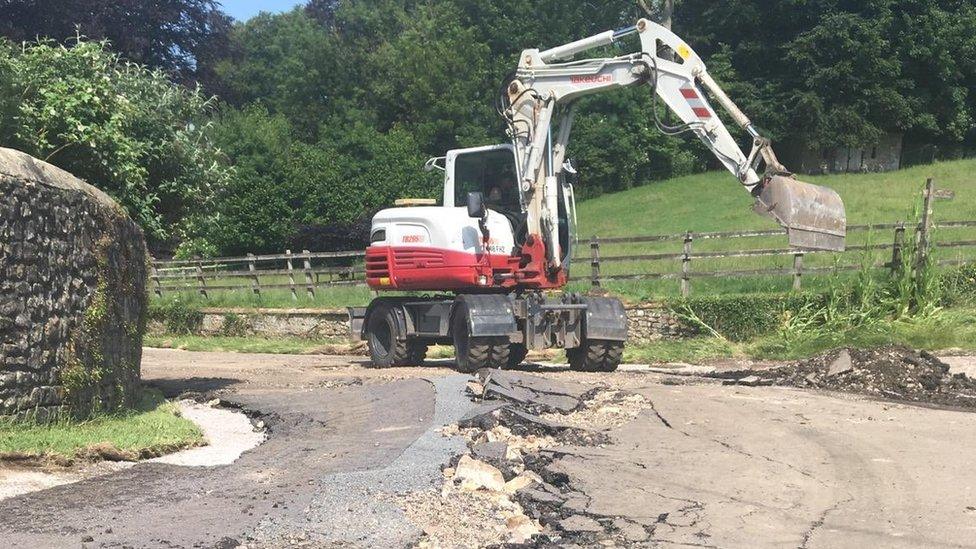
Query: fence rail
{"points": [[307, 271]]}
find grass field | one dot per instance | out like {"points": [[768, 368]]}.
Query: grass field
{"points": [[707, 202], [713, 202], [153, 428]]}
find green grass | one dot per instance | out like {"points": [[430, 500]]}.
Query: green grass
{"points": [[952, 330], [249, 344], [713, 202], [152, 428], [693, 351], [325, 298]]}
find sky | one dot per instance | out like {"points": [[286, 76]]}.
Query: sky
{"points": [[243, 10]]}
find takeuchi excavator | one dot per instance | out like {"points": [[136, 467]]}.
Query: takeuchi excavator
{"points": [[490, 255]]}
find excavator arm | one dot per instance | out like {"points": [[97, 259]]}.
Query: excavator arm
{"points": [[547, 83]]}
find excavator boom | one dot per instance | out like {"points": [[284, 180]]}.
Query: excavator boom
{"points": [[548, 82]]}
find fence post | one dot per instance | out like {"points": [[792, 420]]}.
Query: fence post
{"points": [[291, 275], [201, 280], [797, 270], [897, 246], [595, 262], [686, 266], [309, 283], [923, 235], [157, 287], [255, 282]]}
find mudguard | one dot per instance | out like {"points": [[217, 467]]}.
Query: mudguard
{"points": [[606, 319], [403, 320], [488, 315]]}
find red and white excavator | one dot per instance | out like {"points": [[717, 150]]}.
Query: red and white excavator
{"points": [[503, 234]]}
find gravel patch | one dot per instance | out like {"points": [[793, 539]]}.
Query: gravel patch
{"points": [[359, 508]]}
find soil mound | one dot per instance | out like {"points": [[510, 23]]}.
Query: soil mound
{"points": [[892, 372]]}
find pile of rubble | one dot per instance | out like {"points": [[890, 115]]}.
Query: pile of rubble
{"points": [[504, 491], [891, 372]]}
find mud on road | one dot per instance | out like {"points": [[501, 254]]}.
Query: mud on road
{"points": [[359, 458]]}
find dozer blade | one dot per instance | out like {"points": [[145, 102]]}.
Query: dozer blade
{"points": [[813, 216]]}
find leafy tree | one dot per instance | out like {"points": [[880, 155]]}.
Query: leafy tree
{"points": [[255, 210], [282, 184], [286, 62], [124, 128], [839, 73], [433, 78], [175, 35]]}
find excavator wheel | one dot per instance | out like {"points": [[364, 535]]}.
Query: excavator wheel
{"points": [[474, 353], [387, 346], [596, 356], [516, 354]]}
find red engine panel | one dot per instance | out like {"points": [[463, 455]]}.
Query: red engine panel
{"points": [[420, 268]]}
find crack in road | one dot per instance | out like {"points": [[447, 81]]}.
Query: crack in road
{"points": [[734, 448], [817, 524]]}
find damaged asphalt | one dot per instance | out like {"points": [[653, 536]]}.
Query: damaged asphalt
{"points": [[692, 463], [334, 442]]}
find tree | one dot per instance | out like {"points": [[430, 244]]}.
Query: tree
{"points": [[282, 184], [177, 36], [125, 129], [288, 63], [255, 211], [834, 73]]}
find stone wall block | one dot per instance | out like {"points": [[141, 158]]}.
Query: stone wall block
{"points": [[72, 293]]}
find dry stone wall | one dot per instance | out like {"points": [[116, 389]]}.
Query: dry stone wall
{"points": [[72, 293], [645, 323]]}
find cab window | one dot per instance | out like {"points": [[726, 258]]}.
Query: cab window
{"points": [[491, 173]]}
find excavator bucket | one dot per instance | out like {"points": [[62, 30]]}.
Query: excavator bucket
{"points": [[813, 216]]}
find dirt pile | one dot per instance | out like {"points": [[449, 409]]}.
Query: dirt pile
{"points": [[891, 372]]}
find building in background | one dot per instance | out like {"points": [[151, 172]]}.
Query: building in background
{"points": [[880, 157]]}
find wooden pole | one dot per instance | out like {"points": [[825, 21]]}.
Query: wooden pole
{"points": [[291, 275], [255, 282], [309, 283], [157, 287], [797, 270], [897, 247], [686, 266], [201, 281], [595, 262], [926, 226]]}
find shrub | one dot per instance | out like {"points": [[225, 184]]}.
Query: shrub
{"points": [[745, 317], [959, 286], [178, 315]]}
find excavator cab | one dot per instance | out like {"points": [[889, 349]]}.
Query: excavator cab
{"points": [[492, 172]]}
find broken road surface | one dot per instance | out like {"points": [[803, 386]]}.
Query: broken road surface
{"points": [[687, 462]]}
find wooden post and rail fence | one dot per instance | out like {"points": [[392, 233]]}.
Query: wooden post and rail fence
{"points": [[260, 273]]}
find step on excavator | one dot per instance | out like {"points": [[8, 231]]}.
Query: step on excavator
{"points": [[492, 254]]}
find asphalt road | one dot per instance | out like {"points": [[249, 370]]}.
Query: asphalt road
{"points": [[710, 465], [334, 442]]}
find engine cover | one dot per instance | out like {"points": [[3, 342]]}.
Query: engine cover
{"points": [[437, 248]]}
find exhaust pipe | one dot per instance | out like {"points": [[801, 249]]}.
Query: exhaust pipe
{"points": [[813, 216]]}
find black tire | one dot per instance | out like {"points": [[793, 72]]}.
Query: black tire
{"points": [[516, 354], [596, 356], [386, 346], [474, 353]]}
